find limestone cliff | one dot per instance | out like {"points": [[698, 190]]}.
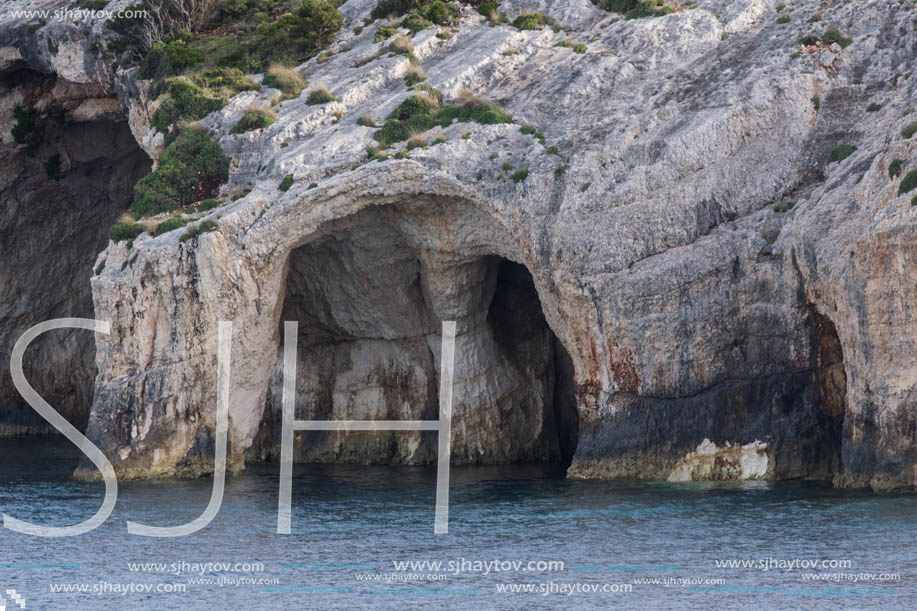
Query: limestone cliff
{"points": [[678, 247]]}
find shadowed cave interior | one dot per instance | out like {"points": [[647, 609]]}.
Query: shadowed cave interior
{"points": [[365, 294]]}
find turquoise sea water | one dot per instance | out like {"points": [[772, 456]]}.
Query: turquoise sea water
{"points": [[347, 519]]}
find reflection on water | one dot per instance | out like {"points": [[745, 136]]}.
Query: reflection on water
{"points": [[378, 515]]}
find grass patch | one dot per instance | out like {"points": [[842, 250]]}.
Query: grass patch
{"points": [[841, 152], [580, 48], [414, 74], [909, 131], [366, 121], [288, 80], [320, 94], [254, 118], [193, 98], [190, 169], [423, 111], [401, 45]]}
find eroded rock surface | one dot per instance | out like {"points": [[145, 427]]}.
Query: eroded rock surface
{"points": [[712, 276]]}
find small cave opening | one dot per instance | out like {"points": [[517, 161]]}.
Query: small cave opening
{"points": [[823, 454], [369, 297]]}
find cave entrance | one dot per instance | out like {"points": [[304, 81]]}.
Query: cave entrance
{"points": [[369, 294], [824, 453]]}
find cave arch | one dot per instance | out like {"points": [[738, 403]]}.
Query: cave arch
{"points": [[369, 291]]}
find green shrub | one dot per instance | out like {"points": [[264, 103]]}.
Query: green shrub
{"points": [[520, 175], [841, 152], [53, 167], [415, 23], [254, 118], [909, 131], [874, 107], [781, 207], [296, 37], [507, 166], [809, 40], [207, 226], [634, 9], [816, 102], [435, 11], [171, 225], [209, 204], [908, 183], [832, 35], [125, 231], [552, 150], [190, 168], [100, 267], [385, 8], [366, 121], [169, 59], [312, 185], [286, 183], [895, 167], [783, 19], [580, 48], [320, 95], [384, 33], [25, 128], [527, 130], [486, 9], [529, 21], [914, 201], [560, 171]]}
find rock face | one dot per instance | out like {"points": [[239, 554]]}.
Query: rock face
{"points": [[732, 303], [51, 232]]}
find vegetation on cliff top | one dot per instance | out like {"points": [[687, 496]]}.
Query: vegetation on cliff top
{"points": [[190, 169], [198, 52]]}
